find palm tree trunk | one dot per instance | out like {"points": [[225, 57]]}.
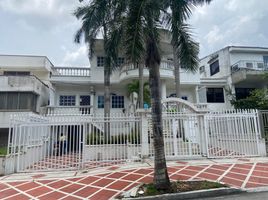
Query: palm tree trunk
{"points": [[176, 71], [107, 105], [141, 85], [161, 179]]}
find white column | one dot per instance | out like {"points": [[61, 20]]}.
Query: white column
{"points": [[163, 89], [92, 98], [196, 94], [51, 97]]}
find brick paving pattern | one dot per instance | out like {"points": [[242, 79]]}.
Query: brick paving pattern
{"points": [[114, 181]]}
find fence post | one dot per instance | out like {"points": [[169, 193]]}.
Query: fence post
{"points": [[202, 134], [260, 134], [144, 132]]}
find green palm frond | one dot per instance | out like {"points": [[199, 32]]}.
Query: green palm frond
{"points": [[188, 49], [134, 41]]}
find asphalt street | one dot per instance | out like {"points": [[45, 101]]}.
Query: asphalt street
{"points": [[243, 196]]}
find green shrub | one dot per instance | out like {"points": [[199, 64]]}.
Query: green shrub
{"points": [[258, 99], [3, 150], [99, 138]]}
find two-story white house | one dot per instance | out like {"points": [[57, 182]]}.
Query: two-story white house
{"points": [[33, 84], [82, 89], [231, 72]]}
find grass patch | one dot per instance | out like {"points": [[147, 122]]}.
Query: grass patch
{"points": [[3, 151], [180, 186]]}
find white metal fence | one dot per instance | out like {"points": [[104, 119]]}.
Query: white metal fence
{"points": [[86, 141], [182, 135], [234, 133], [70, 143]]}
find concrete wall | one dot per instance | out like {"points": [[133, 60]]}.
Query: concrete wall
{"points": [[24, 63], [224, 62]]}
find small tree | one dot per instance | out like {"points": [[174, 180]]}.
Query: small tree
{"points": [[258, 99], [134, 87]]}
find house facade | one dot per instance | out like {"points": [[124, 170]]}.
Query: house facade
{"points": [[32, 84], [232, 72]]}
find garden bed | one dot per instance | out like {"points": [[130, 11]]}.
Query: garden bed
{"points": [[176, 187], [179, 191]]}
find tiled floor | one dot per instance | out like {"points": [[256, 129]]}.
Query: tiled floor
{"points": [[112, 181]]}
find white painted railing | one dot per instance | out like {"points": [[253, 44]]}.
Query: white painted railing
{"points": [[71, 142], [167, 65], [67, 110], [249, 65], [71, 71]]}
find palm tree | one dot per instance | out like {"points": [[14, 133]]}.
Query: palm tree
{"points": [[185, 49], [100, 16], [142, 38]]}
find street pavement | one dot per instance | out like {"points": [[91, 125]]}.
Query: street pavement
{"points": [[243, 196], [109, 182]]}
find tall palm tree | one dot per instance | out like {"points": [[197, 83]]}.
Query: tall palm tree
{"points": [[100, 16], [185, 49], [142, 38]]}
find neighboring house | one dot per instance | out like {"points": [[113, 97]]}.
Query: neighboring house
{"points": [[25, 87], [32, 84], [232, 72]]}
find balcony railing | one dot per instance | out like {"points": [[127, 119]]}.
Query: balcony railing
{"points": [[249, 65], [67, 110], [74, 71], [166, 65]]}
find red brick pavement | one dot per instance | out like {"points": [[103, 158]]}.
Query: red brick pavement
{"points": [[112, 183]]}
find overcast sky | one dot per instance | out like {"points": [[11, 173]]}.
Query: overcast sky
{"points": [[47, 27]]}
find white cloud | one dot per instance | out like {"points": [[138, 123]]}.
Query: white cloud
{"points": [[214, 35], [36, 7], [76, 56]]}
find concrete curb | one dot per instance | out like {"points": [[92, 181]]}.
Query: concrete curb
{"points": [[192, 195], [258, 189]]}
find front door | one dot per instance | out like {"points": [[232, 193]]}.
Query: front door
{"points": [[85, 104]]}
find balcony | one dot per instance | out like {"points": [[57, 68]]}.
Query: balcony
{"points": [[249, 65], [28, 83], [66, 110], [248, 71], [68, 73], [130, 71]]}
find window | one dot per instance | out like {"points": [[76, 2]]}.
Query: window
{"points": [[118, 101], [120, 61], [249, 65], [265, 59], [100, 101], [100, 61], [85, 100], [18, 101], [14, 73], [215, 95], [67, 100], [242, 93], [260, 65], [214, 68]]}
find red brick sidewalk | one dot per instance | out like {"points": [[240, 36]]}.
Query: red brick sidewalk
{"points": [[108, 185]]}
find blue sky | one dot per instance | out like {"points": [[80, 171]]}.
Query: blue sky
{"points": [[47, 27]]}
